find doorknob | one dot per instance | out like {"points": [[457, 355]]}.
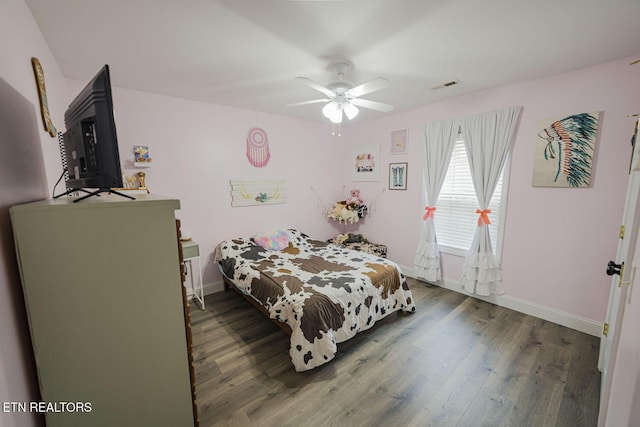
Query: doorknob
{"points": [[613, 268]]}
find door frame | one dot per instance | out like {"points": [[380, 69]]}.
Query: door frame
{"points": [[620, 284]]}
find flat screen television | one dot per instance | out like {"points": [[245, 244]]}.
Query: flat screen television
{"points": [[90, 142]]}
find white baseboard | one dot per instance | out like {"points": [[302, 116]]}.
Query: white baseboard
{"points": [[213, 287], [209, 288], [559, 317]]}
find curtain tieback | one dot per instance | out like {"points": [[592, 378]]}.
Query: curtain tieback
{"points": [[429, 212], [484, 217]]}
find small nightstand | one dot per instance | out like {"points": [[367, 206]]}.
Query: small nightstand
{"points": [[191, 252]]}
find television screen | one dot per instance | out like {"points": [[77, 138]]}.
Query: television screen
{"points": [[90, 142]]}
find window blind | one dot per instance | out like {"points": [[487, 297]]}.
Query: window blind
{"points": [[456, 218]]}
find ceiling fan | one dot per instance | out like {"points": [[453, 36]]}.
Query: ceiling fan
{"points": [[344, 96]]}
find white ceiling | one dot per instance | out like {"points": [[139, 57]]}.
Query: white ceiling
{"points": [[247, 53]]}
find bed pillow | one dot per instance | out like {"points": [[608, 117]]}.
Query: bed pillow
{"points": [[275, 240]]}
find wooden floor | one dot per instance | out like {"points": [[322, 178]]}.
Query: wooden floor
{"points": [[457, 361]]}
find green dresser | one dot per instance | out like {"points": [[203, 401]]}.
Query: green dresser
{"points": [[102, 287]]}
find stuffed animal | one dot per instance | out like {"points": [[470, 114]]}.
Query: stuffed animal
{"points": [[343, 214], [340, 238], [354, 200], [355, 238], [337, 209]]}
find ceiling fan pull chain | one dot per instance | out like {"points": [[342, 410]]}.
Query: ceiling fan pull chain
{"points": [[333, 129]]}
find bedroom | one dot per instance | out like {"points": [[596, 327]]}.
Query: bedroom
{"points": [[198, 149]]}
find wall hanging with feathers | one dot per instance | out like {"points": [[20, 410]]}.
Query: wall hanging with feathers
{"points": [[565, 151]]}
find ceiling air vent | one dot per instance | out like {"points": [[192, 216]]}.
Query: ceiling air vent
{"points": [[447, 84]]}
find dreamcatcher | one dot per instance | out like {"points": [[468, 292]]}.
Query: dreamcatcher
{"points": [[258, 147]]}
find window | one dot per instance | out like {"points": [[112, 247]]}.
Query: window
{"points": [[456, 219]]}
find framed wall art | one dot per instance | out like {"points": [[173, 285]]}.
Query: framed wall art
{"points": [[141, 156], [564, 152], [365, 163], [399, 140], [398, 176]]}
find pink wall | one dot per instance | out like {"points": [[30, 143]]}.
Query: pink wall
{"points": [[20, 39], [557, 241], [197, 148]]}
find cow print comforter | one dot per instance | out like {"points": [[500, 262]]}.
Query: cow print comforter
{"points": [[325, 293]]}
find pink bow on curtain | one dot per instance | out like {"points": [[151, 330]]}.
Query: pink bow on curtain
{"points": [[429, 212], [484, 216]]}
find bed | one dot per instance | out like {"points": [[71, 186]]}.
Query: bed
{"points": [[320, 293]]}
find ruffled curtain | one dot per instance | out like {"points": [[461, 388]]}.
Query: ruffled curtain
{"points": [[487, 139], [440, 137]]}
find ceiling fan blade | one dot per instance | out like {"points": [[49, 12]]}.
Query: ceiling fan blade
{"points": [[313, 101], [316, 86], [372, 105], [368, 87]]}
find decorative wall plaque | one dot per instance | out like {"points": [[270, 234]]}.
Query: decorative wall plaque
{"points": [[42, 95]]}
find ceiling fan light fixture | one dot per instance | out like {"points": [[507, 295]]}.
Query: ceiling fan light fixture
{"points": [[330, 109], [350, 110], [337, 116], [333, 112]]}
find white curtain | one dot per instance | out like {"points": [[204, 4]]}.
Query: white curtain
{"points": [[439, 138], [487, 139]]}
